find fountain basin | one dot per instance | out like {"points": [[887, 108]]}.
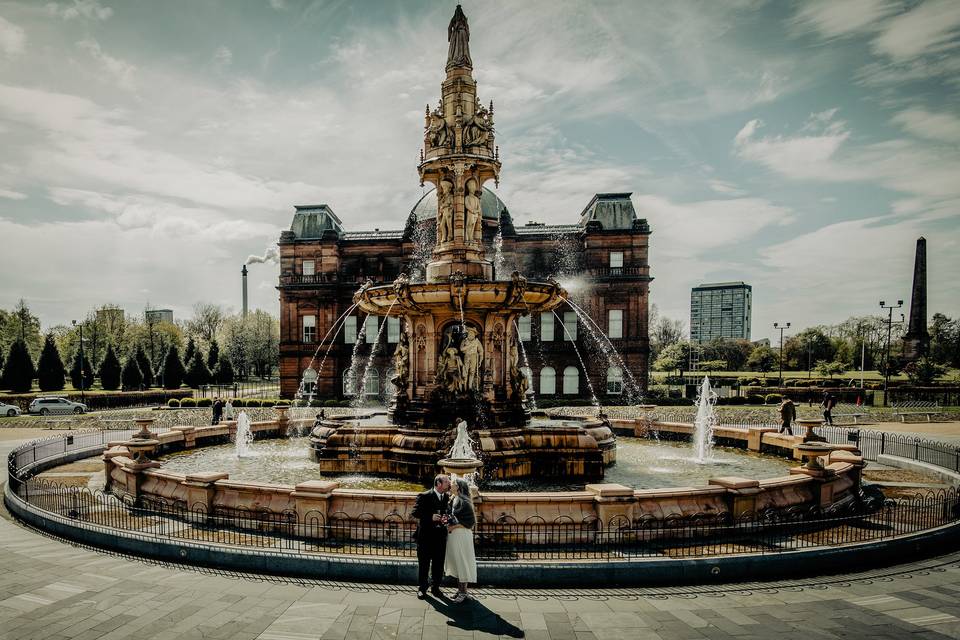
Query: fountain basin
{"points": [[460, 466], [517, 296]]}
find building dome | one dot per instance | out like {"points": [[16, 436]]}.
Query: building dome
{"points": [[490, 205]]}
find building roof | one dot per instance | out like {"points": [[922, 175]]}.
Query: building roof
{"points": [[610, 210], [547, 229], [311, 221], [723, 285], [491, 205], [376, 234]]}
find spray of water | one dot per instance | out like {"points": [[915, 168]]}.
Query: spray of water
{"points": [[704, 423], [337, 324], [526, 365], [244, 438], [583, 366], [361, 391], [463, 444]]}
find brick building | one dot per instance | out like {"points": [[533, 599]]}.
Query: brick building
{"points": [[602, 259]]}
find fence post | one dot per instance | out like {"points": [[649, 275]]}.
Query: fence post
{"points": [[916, 449], [883, 442]]}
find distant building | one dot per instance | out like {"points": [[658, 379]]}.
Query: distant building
{"points": [[720, 310], [158, 315]]}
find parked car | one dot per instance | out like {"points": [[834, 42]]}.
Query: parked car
{"points": [[44, 406], [9, 410]]}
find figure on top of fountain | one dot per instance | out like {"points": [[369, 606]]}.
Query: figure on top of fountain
{"points": [[458, 35]]}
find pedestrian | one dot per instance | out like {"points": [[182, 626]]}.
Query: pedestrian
{"points": [[827, 405], [460, 560], [217, 411], [228, 410], [430, 511], [788, 413]]}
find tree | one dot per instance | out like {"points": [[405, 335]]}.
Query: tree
{"points": [[676, 357], [21, 324], [131, 377], [224, 372], [945, 340], [924, 370], [145, 366], [829, 369], [51, 374], [191, 349], [18, 374], [75, 369], [197, 372], [110, 370], [252, 343], [663, 331], [213, 355], [712, 365], [1, 365], [207, 320], [762, 359], [734, 351], [802, 350], [172, 372]]}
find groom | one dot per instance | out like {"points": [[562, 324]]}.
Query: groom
{"points": [[430, 510]]}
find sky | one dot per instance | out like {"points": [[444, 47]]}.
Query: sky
{"points": [[148, 148]]}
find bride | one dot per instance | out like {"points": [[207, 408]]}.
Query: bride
{"points": [[460, 561]]}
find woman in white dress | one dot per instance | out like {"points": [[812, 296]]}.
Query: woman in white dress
{"points": [[460, 560]]}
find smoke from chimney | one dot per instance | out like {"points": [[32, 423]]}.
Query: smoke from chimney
{"points": [[271, 255]]}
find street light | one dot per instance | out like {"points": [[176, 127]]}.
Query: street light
{"points": [[886, 359], [81, 360], [777, 325]]}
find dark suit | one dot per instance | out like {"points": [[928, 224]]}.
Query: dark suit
{"points": [[431, 536]]}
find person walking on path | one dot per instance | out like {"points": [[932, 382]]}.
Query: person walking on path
{"points": [[827, 404], [217, 411], [788, 413], [430, 511], [228, 410], [460, 560]]}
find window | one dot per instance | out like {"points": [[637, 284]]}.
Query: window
{"points": [[371, 386], [309, 328], [548, 381], [523, 325], [571, 381], [615, 323], [309, 267], [370, 329], [350, 330], [546, 326], [569, 325], [616, 259], [393, 330], [614, 381], [348, 382]]}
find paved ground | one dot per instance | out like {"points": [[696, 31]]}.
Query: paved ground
{"points": [[53, 590]]}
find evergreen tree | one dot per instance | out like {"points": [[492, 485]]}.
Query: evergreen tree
{"points": [[1, 364], [197, 372], [189, 351], [18, 373], [75, 371], [51, 373], [172, 372], [224, 373], [213, 355], [131, 376], [146, 367], [110, 370]]}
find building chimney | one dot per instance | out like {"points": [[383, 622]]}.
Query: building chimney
{"points": [[243, 272], [916, 342]]}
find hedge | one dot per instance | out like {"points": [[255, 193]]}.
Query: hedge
{"points": [[96, 401], [773, 398], [204, 402], [173, 403], [188, 402]]}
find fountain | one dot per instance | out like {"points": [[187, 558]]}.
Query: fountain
{"points": [[704, 423], [462, 460], [457, 356], [244, 437]]}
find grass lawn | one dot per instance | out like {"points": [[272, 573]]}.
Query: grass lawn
{"points": [[952, 375]]}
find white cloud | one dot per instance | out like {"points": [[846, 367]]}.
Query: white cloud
{"points": [[223, 56], [726, 188], [120, 70], [90, 9], [941, 127], [839, 18], [12, 195], [805, 157], [929, 27], [12, 38], [278, 5]]}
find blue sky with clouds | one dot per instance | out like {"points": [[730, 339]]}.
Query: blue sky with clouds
{"points": [[150, 147]]}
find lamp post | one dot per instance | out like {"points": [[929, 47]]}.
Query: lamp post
{"points": [[781, 327], [82, 400], [886, 358]]}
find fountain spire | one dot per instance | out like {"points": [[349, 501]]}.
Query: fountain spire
{"points": [[459, 155]]}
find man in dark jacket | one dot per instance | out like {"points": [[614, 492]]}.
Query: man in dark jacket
{"points": [[217, 411], [430, 511]]}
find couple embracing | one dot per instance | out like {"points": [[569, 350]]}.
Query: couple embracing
{"points": [[445, 521]]}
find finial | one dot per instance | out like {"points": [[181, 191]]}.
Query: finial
{"points": [[421, 155], [496, 152], [427, 112], [491, 107]]}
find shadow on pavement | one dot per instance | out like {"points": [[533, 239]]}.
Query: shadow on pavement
{"points": [[473, 616]]}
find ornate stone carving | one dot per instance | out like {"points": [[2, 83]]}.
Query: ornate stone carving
{"points": [[450, 370], [458, 35], [518, 380], [445, 212], [473, 214], [438, 131], [401, 363], [472, 351]]}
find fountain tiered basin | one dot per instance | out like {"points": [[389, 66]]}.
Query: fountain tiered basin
{"points": [[515, 296]]}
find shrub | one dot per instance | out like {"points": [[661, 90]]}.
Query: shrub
{"points": [[173, 403], [267, 403], [146, 367], [18, 373], [773, 398], [224, 371], [239, 402], [733, 400], [110, 370], [204, 402], [283, 403], [172, 371], [188, 403], [329, 403], [51, 374], [132, 377], [197, 372], [754, 398], [75, 380]]}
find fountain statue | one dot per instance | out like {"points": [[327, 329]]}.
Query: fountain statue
{"points": [[462, 460], [457, 358]]}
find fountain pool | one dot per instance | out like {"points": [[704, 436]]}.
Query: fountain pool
{"points": [[642, 464]]}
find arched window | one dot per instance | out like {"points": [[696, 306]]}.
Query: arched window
{"points": [[548, 381], [614, 380], [571, 381], [372, 385], [347, 383]]}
